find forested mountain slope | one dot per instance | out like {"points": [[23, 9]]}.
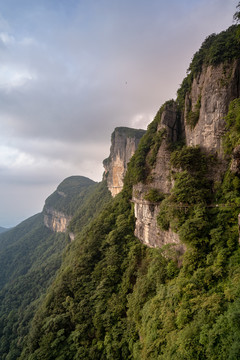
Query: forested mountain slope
{"points": [[2, 229], [113, 297], [116, 298], [31, 254]]}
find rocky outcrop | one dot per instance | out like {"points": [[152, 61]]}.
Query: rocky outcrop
{"points": [[71, 236], [146, 227], [124, 142], [173, 131], [56, 220], [210, 95], [208, 100]]}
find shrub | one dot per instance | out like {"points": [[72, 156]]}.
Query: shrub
{"points": [[154, 195], [232, 136]]}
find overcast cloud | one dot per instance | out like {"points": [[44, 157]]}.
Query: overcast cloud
{"points": [[72, 70]]}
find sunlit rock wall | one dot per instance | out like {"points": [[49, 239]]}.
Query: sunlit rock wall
{"points": [[214, 88], [55, 220], [124, 142]]}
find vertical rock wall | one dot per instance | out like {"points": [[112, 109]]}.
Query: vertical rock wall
{"points": [[124, 143], [146, 227], [56, 220], [214, 88]]}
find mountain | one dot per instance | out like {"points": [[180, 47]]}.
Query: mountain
{"points": [[31, 254], [151, 272], [65, 201], [2, 229]]}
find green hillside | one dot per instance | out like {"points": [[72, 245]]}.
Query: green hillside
{"points": [[106, 296], [70, 194], [30, 256], [118, 299]]}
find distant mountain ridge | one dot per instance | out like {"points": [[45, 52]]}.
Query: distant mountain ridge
{"points": [[2, 229], [31, 254], [60, 206]]}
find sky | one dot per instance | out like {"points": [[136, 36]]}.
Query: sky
{"points": [[73, 70]]}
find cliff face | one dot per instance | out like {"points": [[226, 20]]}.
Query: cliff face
{"points": [[146, 228], [210, 95], [56, 220], [124, 143], [208, 101]]}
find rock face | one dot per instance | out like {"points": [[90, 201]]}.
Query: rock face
{"points": [[173, 128], [212, 91], [146, 227], [56, 220], [124, 142], [210, 95]]}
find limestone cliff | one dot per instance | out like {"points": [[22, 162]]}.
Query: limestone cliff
{"points": [[124, 142], [146, 228], [207, 102], [211, 92], [56, 220]]}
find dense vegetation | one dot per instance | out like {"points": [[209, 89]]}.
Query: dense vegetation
{"points": [[154, 195], [31, 254], [90, 208], [113, 297], [28, 265], [117, 299], [2, 229], [70, 194], [232, 136], [216, 49]]}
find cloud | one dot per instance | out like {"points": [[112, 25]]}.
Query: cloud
{"points": [[6, 39], [13, 158], [13, 77]]}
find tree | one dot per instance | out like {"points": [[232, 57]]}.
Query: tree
{"points": [[236, 16]]}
